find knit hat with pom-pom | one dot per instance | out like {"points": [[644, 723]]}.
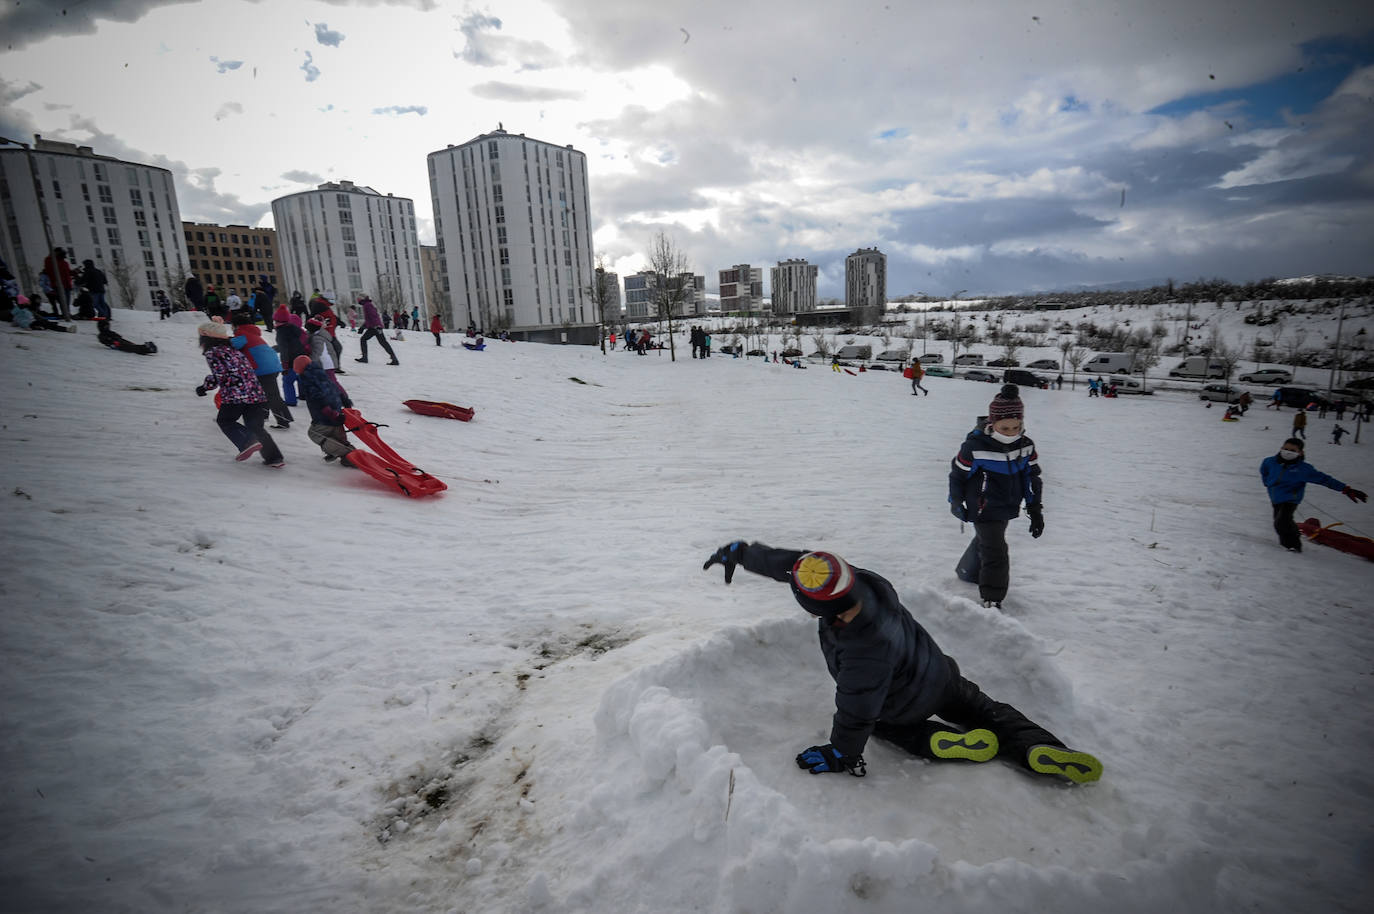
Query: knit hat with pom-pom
{"points": [[1006, 405]]}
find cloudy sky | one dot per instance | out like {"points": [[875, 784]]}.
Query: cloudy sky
{"points": [[983, 146]]}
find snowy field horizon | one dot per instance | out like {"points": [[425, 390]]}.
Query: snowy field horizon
{"points": [[229, 688]]}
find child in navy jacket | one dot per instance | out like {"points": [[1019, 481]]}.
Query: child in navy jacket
{"points": [[995, 470]]}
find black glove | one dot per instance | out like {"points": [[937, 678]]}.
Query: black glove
{"points": [[957, 509], [200, 390], [822, 759], [729, 555], [1354, 494], [1037, 521]]}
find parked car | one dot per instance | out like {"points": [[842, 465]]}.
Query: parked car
{"points": [[1044, 365], [969, 358], [856, 351], [1223, 393], [938, 371], [1110, 363], [928, 358], [980, 374], [1199, 366], [1024, 378], [892, 355], [1004, 363], [1126, 386], [791, 353], [1301, 397], [1268, 376]]}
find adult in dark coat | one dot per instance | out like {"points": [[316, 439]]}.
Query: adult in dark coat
{"points": [[195, 293], [891, 677]]}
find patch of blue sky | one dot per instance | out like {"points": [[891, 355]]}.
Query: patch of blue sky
{"points": [[1072, 103], [1327, 63], [894, 133]]}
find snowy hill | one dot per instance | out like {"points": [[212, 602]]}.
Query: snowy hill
{"points": [[232, 688]]}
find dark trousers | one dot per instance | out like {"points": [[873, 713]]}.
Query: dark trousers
{"points": [[275, 403], [916, 385], [1285, 527], [439, 340], [379, 335], [986, 561], [967, 707], [1300, 431], [253, 416]]}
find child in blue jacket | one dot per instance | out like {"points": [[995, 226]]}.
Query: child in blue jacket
{"points": [[1286, 475], [266, 363], [326, 404], [995, 470]]}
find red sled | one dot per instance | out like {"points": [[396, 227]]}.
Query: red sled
{"points": [[847, 371], [442, 410], [1362, 546], [385, 464]]}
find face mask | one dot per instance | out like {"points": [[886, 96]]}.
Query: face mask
{"points": [[1005, 439], [1286, 454]]}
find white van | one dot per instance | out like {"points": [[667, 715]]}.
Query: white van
{"points": [[969, 358], [855, 351], [1110, 363], [1199, 366]]}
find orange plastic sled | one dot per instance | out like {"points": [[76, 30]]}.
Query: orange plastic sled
{"points": [[385, 465]]}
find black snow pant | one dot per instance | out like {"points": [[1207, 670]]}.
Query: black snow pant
{"points": [[275, 403], [380, 335], [1289, 537], [966, 707], [439, 340], [253, 416], [986, 562]]}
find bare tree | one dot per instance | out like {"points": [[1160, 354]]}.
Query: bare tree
{"points": [[1295, 349], [669, 264], [822, 343], [126, 282], [175, 281], [1010, 348], [389, 298], [1066, 346], [601, 294], [1145, 349], [1077, 356]]}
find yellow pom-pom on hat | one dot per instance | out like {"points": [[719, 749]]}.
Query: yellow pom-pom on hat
{"points": [[822, 576]]}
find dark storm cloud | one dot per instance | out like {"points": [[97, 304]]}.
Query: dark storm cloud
{"points": [[25, 22], [197, 197]]}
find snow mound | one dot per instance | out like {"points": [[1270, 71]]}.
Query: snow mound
{"points": [[699, 782]]}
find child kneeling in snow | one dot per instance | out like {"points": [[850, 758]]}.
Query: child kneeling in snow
{"points": [[891, 677], [105, 333], [326, 404]]}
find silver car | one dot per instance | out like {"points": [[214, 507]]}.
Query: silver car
{"points": [[1223, 393], [980, 374], [1268, 376]]}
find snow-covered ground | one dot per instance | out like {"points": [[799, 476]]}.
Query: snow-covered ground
{"points": [[231, 688]]}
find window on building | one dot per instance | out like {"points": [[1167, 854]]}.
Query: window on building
{"points": [[346, 217], [200, 236], [344, 201], [111, 217], [493, 150], [152, 278], [140, 218], [148, 259], [144, 239], [113, 235], [85, 193], [106, 194], [505, 255], [135, 196], [100, 173]]}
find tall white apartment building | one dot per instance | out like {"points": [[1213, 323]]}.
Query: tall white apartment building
{"points": [[513, 227], [348, 241], [794, 287], [865, 284], [121, 215]]}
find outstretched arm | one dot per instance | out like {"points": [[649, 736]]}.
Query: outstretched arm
{"points": [[756, 557]]}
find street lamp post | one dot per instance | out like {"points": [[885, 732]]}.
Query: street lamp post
{"points": [[43, 218]]}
